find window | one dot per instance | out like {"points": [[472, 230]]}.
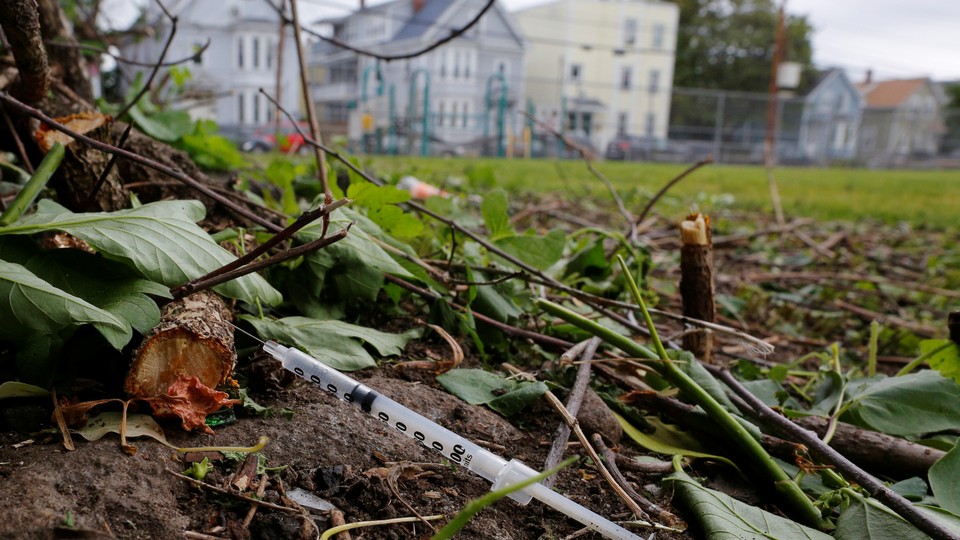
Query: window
{"points": [[470, 57], [576, 72], [466, 111], [256, 109], [440, 114], [269, 52], [240, 108], [629, 31], [255, 53], [654, 81], [658, 34], [198, 59], [651, 123], [625, 76], [453, 114], [622, 123], [240, 52], [442, 57], [456, 64]]}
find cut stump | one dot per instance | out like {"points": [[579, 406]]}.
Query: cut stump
{"points": [[696, 283], [194, 339]]}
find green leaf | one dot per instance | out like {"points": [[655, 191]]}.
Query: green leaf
{"points": [[917, 403], [479, 387], [107, 284], [335, 343], [159, 239], [281, 172], [723, 517], [944, 475], [33, 187], [913, 488], [946, 361], [167, 126], [494, 210], [540, 252], [16, 389], [867, 519], [371, 196], [198, 469], [396, 222], [355, 264], [36, 307], [668, 440]]}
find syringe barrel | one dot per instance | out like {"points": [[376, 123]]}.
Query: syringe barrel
{"points": [[430, 434]]}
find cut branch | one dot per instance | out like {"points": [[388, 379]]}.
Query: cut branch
{"points": [[20, 21]]}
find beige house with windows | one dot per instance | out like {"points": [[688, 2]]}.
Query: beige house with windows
{"points": [[603, 66]]}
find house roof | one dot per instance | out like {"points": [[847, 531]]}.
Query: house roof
{"points": [[424, 19], [888, 94]]}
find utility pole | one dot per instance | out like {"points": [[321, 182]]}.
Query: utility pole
{"points": [[769, 141]]}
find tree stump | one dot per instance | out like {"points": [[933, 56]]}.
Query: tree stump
{"points": [[696, 282], [194, 339]]}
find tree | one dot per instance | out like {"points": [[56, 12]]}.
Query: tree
{"points": [[728, 44]]}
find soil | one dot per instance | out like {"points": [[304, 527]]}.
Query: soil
{"points": [[326, 447]]}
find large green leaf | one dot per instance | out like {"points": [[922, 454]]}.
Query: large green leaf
{"points": [[107, 284], [494, 210], [540, 252], [944, 478], [476, 387], [945, 357], [34, 306], [335, 343], [868, 519], [161, 240], [722, 517], [923, 402], [357, 263]]}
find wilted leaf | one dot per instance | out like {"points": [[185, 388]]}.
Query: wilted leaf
{"points": [[922, 402], [33, 306], [138, 425], [944, 477], [159, 239], [668, 440], [723, 517], [166, 126], [479, 387], [335, 343]]}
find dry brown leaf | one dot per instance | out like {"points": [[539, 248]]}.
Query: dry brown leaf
{"points": [[191, 401]]}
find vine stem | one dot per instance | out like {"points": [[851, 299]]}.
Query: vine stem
{"points": [[783, 484]]}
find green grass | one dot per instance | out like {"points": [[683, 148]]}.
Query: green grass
{"points": [[923, 198]]}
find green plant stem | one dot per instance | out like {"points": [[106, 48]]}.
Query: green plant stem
{"points": [[872, 354], [783, 484], [918, 361], [476, 505], [34, 186]]}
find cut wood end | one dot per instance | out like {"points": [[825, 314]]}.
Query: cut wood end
{"points": [[695, 230], [82, 123], [194, 339]]}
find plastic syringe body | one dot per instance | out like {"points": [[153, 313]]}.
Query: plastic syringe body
{"points": [[431, 435]]}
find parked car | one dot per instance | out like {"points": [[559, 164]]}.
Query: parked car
{"points": [[264, 140], [646, 148]]}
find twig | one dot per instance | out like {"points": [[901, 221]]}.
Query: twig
{"points": [[582, 437], [234, 494], [818, 448], [653, 200], [455, 33], [219, 277], [146, 162], [16, 139], [840, 276], [305, 219], [21, 25], [580, 384], [887, 320], [588, 160], [61, 423], [156, 68], [648, 506], [124, 60], [311, 110], [92, 197], [261, 488]]}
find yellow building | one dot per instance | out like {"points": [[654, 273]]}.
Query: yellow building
{"points": [[603, 66]]}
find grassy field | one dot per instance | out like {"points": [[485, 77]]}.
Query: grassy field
{"points": [[923, 198]]}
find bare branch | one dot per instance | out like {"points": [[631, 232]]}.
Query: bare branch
{"points": [[653, 200], [21, 25], [149, 163], [123, 60], [311, 111]]}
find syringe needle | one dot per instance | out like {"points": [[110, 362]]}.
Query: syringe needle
{"points": [[247, 333]]}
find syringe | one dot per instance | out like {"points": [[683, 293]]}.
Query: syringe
{"points": [[431, 435]]}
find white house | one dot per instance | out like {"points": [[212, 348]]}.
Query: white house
{"points": [[243, 57], [603, 67], [451, 94]]}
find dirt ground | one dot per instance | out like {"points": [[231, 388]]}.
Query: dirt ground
{"points": [[326, 447]]}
